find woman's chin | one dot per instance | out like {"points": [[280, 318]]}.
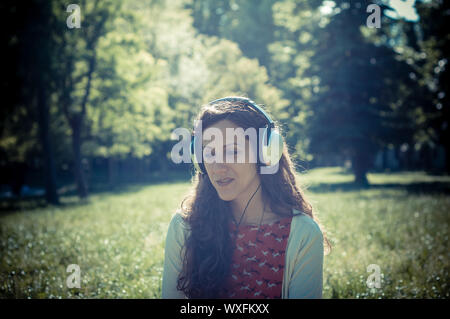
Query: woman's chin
{"points": [[226, 197]]}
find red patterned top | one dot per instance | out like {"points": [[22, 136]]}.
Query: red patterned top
{"points": [[258, 260]]}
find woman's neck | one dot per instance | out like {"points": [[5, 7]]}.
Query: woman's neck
{"points": [[255, 209]]}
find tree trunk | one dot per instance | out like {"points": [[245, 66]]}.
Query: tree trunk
{"points": [[111, 171], [78, 165], [447, 155], [51, 194], [360, 167]]}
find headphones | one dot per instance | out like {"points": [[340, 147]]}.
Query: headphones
{"points": [[270, 135]]}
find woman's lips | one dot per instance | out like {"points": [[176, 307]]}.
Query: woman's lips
{"points": [[225, 181]]}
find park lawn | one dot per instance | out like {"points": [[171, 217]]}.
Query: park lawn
{"points": [[400, 224]]}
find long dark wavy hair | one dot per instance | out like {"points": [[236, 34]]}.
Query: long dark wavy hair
{"points": [[208, 249]]}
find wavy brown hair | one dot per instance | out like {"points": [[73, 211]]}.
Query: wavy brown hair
{"points": [[208, 249]]}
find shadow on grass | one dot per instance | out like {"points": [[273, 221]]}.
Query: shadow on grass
{"points": [[431, 188], [68, 194]]}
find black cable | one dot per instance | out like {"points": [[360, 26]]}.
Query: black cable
{"points": [[237, 225]]}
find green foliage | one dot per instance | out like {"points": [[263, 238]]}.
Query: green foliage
{"points": [[427, 51], [291, 51], [127, 89], [349, 95], [136, 70]]}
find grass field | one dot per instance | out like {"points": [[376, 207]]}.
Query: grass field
{"points": [[400, 223]]}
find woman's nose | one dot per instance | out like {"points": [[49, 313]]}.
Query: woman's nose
{"points": [[219, 167]]}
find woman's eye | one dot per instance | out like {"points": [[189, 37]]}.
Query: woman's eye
{"points": [[212, 153], [232, 152]]}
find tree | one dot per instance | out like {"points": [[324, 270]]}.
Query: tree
{"points": [[431, 50], [296, 22], [249, 23], [354, 88], [359, 106], [75, 67], [28, 74]]}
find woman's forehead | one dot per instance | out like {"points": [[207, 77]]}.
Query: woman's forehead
{"points": [[218, 140], [218, 133]]}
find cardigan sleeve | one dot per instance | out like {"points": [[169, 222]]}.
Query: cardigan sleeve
{"points": [[307, 271], [173, 259]]}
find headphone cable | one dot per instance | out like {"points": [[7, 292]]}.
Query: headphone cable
{"points": [[240, 220]]}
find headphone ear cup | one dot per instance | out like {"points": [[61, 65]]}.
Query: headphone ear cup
{"points": [[198, 166], [273, 149]]}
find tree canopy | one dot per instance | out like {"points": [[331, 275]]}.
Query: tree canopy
{"points": [[116, 87]]}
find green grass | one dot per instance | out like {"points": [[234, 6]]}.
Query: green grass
{"points": [[399, 223]]}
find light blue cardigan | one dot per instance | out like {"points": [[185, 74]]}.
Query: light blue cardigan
{"points": [[303, 272]]}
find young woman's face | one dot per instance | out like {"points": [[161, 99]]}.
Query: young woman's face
{"points": [[231, 180]]}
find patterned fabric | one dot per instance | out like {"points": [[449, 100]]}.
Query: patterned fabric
{"points": [[258, 260]]}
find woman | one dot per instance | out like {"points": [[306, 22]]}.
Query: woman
{"points": [[241, 233]]}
